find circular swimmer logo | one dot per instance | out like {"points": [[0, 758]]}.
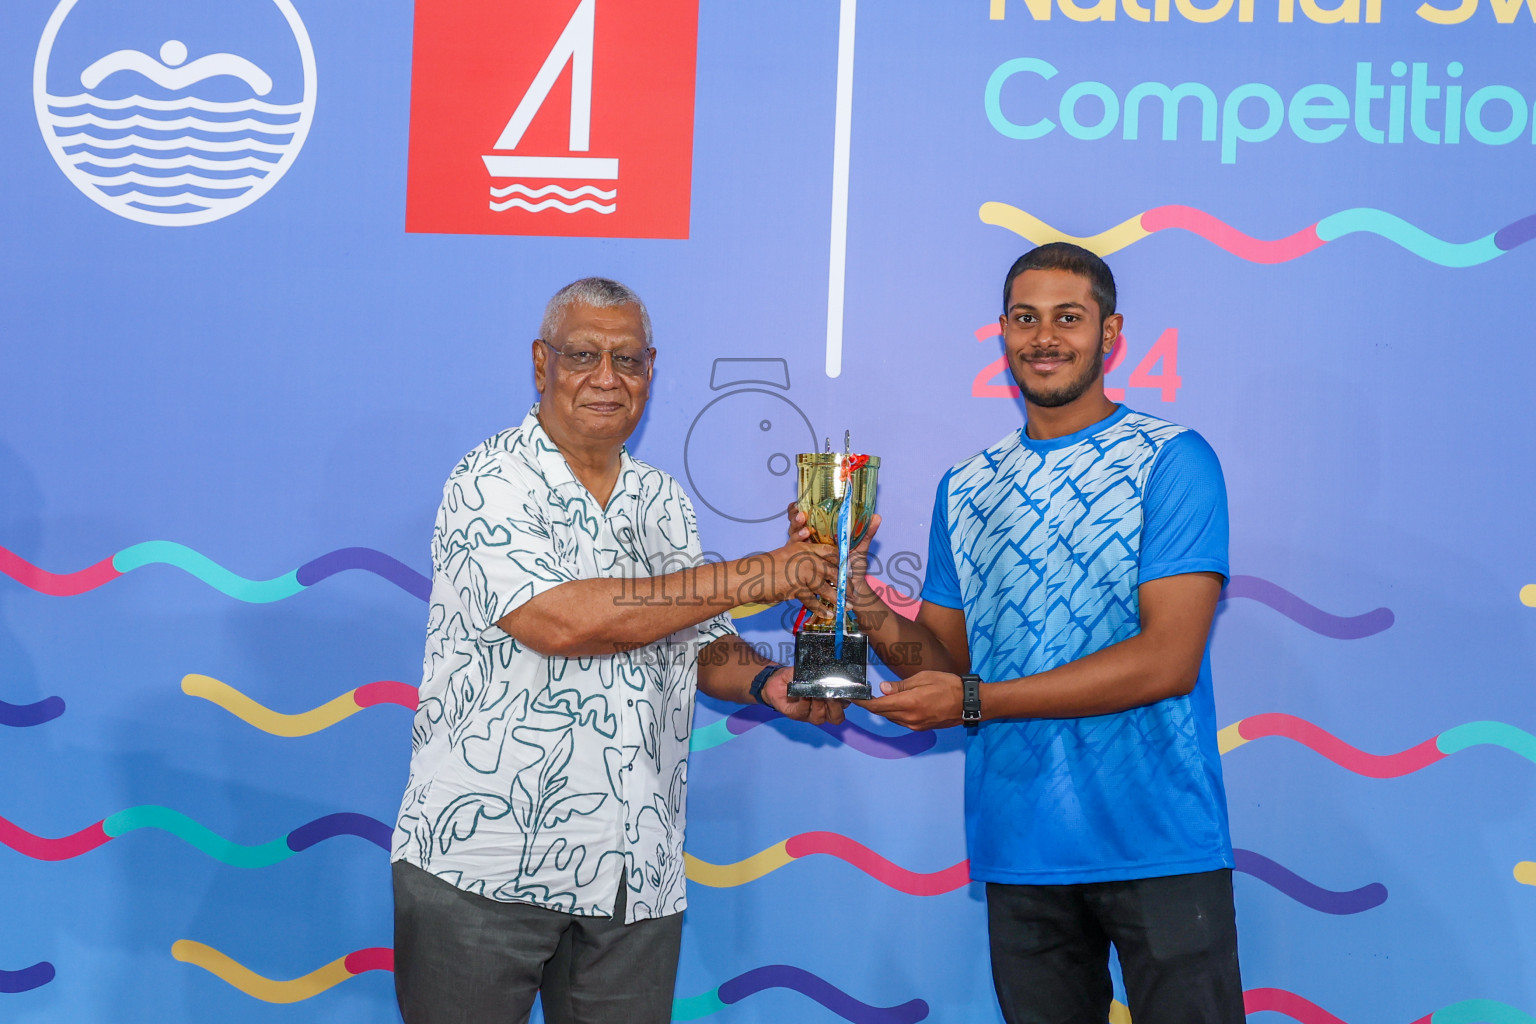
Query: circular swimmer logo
{"points": [[174, 113]]}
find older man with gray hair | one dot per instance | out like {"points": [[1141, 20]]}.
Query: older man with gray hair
{"points": [[539, 847]]}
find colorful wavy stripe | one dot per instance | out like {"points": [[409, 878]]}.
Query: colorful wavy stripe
{"points": [[26, 979], [162, 552], [871, 744], [304, 723], [957, 876], [204, 569], [236, 974], [1252, 588], [807, 984], [270, 990], [1298, 1008], [1378, 766], [184, 828], [1363, 220], [1338, 627], [19, 716]]}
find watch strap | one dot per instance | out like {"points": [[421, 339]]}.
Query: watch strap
{"points": [[970, 699], [761, 680]]}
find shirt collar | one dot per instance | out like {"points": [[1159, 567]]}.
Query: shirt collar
{"points": [[557, 472], [1067, 440]]}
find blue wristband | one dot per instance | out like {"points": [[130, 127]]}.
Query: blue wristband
{"points": [[761, 680]]}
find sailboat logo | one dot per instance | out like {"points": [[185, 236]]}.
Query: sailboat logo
{"points": [[525, 113], [184, 132]]}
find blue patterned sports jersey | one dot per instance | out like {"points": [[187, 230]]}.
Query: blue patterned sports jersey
{"points": [[1043, 544]]}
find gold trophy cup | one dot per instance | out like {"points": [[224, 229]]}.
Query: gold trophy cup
{"points": [[837, 495]]}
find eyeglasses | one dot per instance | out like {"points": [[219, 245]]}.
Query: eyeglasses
{"points": [[627, 362]]}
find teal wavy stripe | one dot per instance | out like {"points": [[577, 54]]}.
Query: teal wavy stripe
{"points": [[1480, 1011], [695, 1007], [199, 836], [165, 552], [711, 735], [1415, 240], [1497, 734]]}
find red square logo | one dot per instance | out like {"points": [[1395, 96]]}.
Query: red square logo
{"points": [[552, 117]]}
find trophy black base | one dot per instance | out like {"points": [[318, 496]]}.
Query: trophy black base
{"points": [[820, 673]]}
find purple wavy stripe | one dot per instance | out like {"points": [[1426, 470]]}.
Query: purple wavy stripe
{"points": [[874, 744], [1339, 627], [833, 998], [368, 560], [346, 823], [22, 715], [1518, 233], [26, 979], [1304, 892]]}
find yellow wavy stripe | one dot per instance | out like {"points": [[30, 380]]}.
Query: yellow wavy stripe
{"points": [[1228, 739], [1033, 229], [723, 876], [1119, 1013], [1525, 872], [264, 718], [253, 984], [741, 611]]}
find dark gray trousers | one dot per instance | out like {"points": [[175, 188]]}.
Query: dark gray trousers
{"points": [[1176, 937], [465, 959]]}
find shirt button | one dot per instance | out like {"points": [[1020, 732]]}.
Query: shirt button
{"points": [[631, 703]]}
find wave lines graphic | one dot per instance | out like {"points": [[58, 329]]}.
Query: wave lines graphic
{"points": [[1378, 766], [957, 876], [21, 716], [380, 958], [196, 835], [144, 102], [516, 189], [202, 145], [26, 979], [204, 569], [79, 124], [554, 204], [1362, 220], [303, 723]]}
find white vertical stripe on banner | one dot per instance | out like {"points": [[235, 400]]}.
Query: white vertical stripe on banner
{"points": [[836, 271]]}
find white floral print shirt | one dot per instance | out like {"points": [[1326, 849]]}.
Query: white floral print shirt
{"points": [[540, 779]]}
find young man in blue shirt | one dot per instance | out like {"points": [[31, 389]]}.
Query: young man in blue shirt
{"points": [[1074, 569]]}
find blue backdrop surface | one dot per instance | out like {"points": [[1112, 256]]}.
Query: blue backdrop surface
{"points": [[1313, 273]]}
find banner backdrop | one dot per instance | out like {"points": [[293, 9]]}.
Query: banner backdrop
{"points": [[272, 266]]}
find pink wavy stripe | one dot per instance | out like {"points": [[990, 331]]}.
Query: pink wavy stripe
{"points": [[1373, 766], [912, 883], [386, 691], [42, 848], [56, 584], [376, 958], [904, 606], [1220, 233], [1278, 1000]]}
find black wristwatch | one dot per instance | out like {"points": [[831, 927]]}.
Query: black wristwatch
{"points": [[760, 681], [970, 700]]}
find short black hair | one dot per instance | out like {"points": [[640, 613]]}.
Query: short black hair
{"points": [[1073, 259]]}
